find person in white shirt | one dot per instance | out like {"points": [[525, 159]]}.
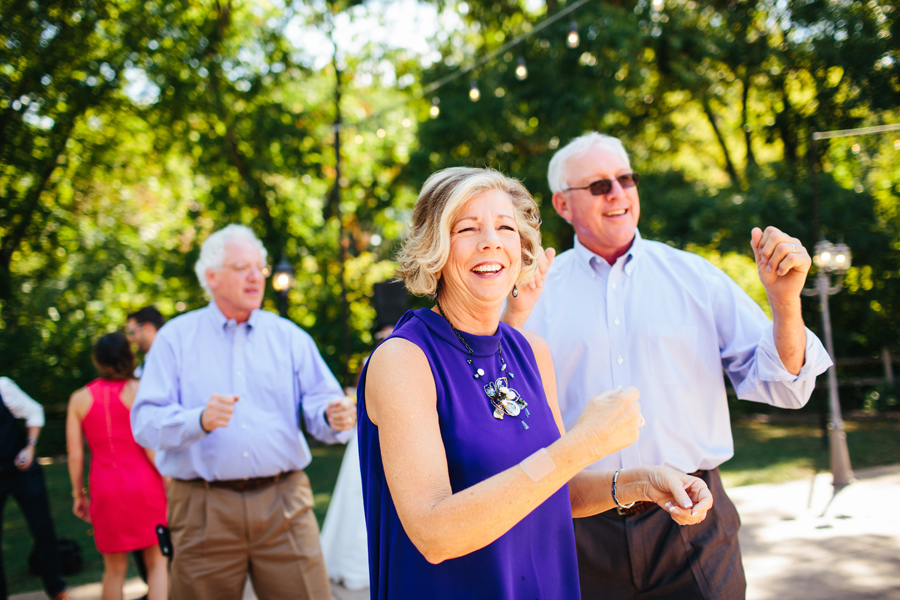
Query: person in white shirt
{"points": [[22, 478], [618, 310]]}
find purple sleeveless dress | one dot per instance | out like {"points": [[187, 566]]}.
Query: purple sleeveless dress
{"points": [[533, 560]]}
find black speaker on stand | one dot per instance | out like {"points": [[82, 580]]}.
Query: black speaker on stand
{"points": [[390, 301]]}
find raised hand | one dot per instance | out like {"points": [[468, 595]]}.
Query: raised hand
{"points": [[782, 263], [218, 411], [519, 307]]}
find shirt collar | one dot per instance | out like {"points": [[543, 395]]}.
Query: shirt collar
{"points": [[221, 321], [586, 257]]}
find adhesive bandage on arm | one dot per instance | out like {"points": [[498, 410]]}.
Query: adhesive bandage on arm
{"points": [[538, 465]]}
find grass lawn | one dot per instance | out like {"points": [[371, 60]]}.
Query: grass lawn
{"points": [[764, 452], [772, 452]]}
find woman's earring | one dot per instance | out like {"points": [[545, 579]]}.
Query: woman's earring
{"points": [[515, 291]]}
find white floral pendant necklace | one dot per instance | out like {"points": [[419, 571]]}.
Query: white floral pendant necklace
{"points": [[504, 399]]}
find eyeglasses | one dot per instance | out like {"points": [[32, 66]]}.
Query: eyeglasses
{"points": [[601, 187], [243, 269]]}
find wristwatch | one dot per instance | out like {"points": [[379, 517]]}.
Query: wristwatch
{"points": [[32, 442]]}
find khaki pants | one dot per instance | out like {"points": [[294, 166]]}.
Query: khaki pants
{"points": [[220, 535]]}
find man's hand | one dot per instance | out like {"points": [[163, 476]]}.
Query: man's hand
{"points": [[782, 263], [218, 412], [341, 414], [519, 308], [25, 458]]}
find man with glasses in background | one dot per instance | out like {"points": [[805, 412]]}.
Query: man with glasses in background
{"points": [[220, 401], [618, 310]]}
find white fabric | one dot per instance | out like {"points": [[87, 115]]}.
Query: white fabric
{"points": [[666, 322], [344, 530], [20, 404]]}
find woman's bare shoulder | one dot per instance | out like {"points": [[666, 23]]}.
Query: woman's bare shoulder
{"points": [[80, 401]]}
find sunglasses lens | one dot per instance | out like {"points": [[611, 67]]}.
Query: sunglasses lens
{"points": [[601, 187], [628, 180]]}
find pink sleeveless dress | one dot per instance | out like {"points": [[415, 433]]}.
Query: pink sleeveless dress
{"points": [[128, 499]]}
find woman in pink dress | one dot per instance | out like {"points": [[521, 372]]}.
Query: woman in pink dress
{"points": [[126, 499]]}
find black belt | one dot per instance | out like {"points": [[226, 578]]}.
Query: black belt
{"points": [[249, 484], [643, 505]]}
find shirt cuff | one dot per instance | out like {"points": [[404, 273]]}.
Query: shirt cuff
{"points": [[816, 359], [192, 427], [36, 420]]}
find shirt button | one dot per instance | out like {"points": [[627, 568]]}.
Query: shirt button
{"points": [[240, 373], [621, 360], [616, 321], [246, 454], [613, 286], [243, 426]]}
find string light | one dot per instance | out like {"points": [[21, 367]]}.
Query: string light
{"points": [[572, 40], [521, 69], [474, 92]]}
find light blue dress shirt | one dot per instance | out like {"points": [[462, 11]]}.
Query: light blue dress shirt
{"points": [[270, 363], [666, 322]]}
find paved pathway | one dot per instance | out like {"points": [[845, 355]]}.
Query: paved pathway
{"points": [[798, 543], [798, 546]]}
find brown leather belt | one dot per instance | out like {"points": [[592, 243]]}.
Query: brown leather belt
{"points": [[643, 505], [243, 485]]}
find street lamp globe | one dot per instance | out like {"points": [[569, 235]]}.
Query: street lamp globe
{"points": [[283, 276], [832, 258]]}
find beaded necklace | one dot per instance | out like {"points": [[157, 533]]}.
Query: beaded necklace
{"points": [[504, 399]]}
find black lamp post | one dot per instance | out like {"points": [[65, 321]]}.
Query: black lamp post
{"points": [[282, 282]]}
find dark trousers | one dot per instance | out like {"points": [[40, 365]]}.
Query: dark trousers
{"points": [[30, 492], [649, 556]]}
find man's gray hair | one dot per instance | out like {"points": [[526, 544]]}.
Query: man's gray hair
{"points": [[556, 172], [212, 252]]}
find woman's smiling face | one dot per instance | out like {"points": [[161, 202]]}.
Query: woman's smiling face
{"points": [[485, 250]]}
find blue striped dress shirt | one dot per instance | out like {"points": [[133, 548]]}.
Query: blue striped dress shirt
{"points": [[270, 363], [666, 322]]}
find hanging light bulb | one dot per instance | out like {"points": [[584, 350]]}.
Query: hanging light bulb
{"points": [[521, 69], [572, 40], [435, 110], [474, 92]]}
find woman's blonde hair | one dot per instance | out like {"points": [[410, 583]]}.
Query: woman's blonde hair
{"points": [[445, 193]]}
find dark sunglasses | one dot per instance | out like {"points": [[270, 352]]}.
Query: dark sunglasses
{"points": [[601, 187]]}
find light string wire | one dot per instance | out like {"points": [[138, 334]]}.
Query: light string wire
{"points": [[490, 56]]}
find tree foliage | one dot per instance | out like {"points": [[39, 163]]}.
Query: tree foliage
{"points": [[716, 102], [131, 130]]}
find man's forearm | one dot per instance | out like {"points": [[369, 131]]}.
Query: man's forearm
{"points": [[789, 333], [33, 434]]}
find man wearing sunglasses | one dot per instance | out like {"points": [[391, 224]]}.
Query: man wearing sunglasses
{"points": [[618, 310]]}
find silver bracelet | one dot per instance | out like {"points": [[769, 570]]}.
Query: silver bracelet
{"points": [[616, 500]]}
